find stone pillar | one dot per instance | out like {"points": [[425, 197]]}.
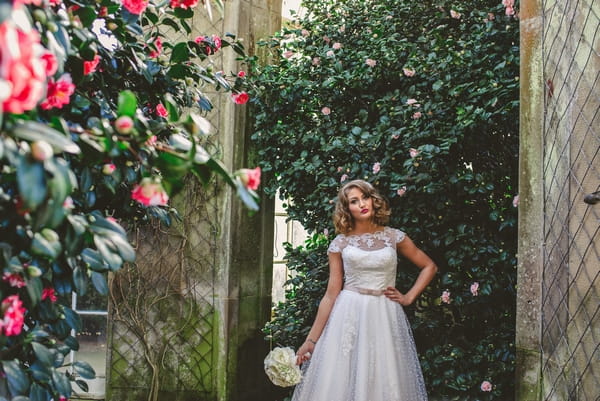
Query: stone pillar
{"points": [[243, 290], [531, 201], [244, 294]]}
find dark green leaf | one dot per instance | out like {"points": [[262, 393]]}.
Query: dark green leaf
{"points": [[127, 104], [84, 370], [18, 382], [72, 343], [80, 280], [180, 53], [34, 290], [32, 182], [99, 282], [61, 383], [33, 131], [42, 353]]}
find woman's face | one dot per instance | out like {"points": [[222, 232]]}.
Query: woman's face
{"points": [[360, 205]]}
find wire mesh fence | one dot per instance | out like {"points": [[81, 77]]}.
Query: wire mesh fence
{"points": [[164, 333], [571, 170], [163, 330]]}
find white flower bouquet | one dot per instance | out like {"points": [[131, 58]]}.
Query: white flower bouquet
{"points": [[280, 366]]}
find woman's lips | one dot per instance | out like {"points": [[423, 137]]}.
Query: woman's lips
{"points": [[363, 211]]}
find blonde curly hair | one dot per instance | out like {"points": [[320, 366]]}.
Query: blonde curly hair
{"points": [[342, 219]]}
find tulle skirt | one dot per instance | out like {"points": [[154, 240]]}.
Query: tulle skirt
{"points": [[365, 353]]}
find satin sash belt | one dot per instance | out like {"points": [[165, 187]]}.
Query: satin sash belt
{"points": [[365, 291]]}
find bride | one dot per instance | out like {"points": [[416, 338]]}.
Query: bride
{"points": [[360, 346]]}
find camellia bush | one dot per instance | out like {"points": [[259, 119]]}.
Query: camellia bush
{"points": [[420, 98], [102, 120]]}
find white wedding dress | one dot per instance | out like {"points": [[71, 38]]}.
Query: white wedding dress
{"points": [[366, 351]]}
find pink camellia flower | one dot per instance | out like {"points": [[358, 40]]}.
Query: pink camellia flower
{"points": [[14, 313], [475, 289], [336, 46], [124, 125], [376, 168], [409, 72], [150, 192], [326, 110], [58, 93], [250, 177], [316, 60], [515, 201], [411, 101], [446, 297], [209, 47], [135, 6], [217, 42], [50, 63], [417, 115], [23, 68], [340, 169], [108, 168], [18, 3], [486, 386], [151, 141], [413, 152], [304, 33], [183, 3], [401, 191], [41, 150], [161, 110], [371, 62], [158, 47], [91, 65], [344, 177], [241, 74], [455, 14], [14, 279], [68, 203], [288, 54], [330, 53], [240, 98], [509, 5], [49, 293], [326, 39]]}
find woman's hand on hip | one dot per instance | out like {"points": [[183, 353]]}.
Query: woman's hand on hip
{"points": [[396, 296]]}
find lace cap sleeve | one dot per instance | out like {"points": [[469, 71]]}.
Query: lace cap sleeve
{"points": [[397, 235], [337, 244]]}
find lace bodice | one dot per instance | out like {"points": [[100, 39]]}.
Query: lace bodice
{"points": [[370, 260]]}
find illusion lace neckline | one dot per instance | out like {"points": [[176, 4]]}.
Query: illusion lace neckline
{"points": [[367, 234]]}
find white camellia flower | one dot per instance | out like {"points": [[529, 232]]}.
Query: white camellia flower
{"points": [[281, 368]]}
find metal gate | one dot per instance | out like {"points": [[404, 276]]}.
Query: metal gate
{"points": [[571, 171]]}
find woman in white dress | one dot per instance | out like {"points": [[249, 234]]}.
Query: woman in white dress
{"points": [[360, 346]]}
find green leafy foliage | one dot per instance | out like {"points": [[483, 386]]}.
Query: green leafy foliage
{"points": [[421, 99], [99, 125]]}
